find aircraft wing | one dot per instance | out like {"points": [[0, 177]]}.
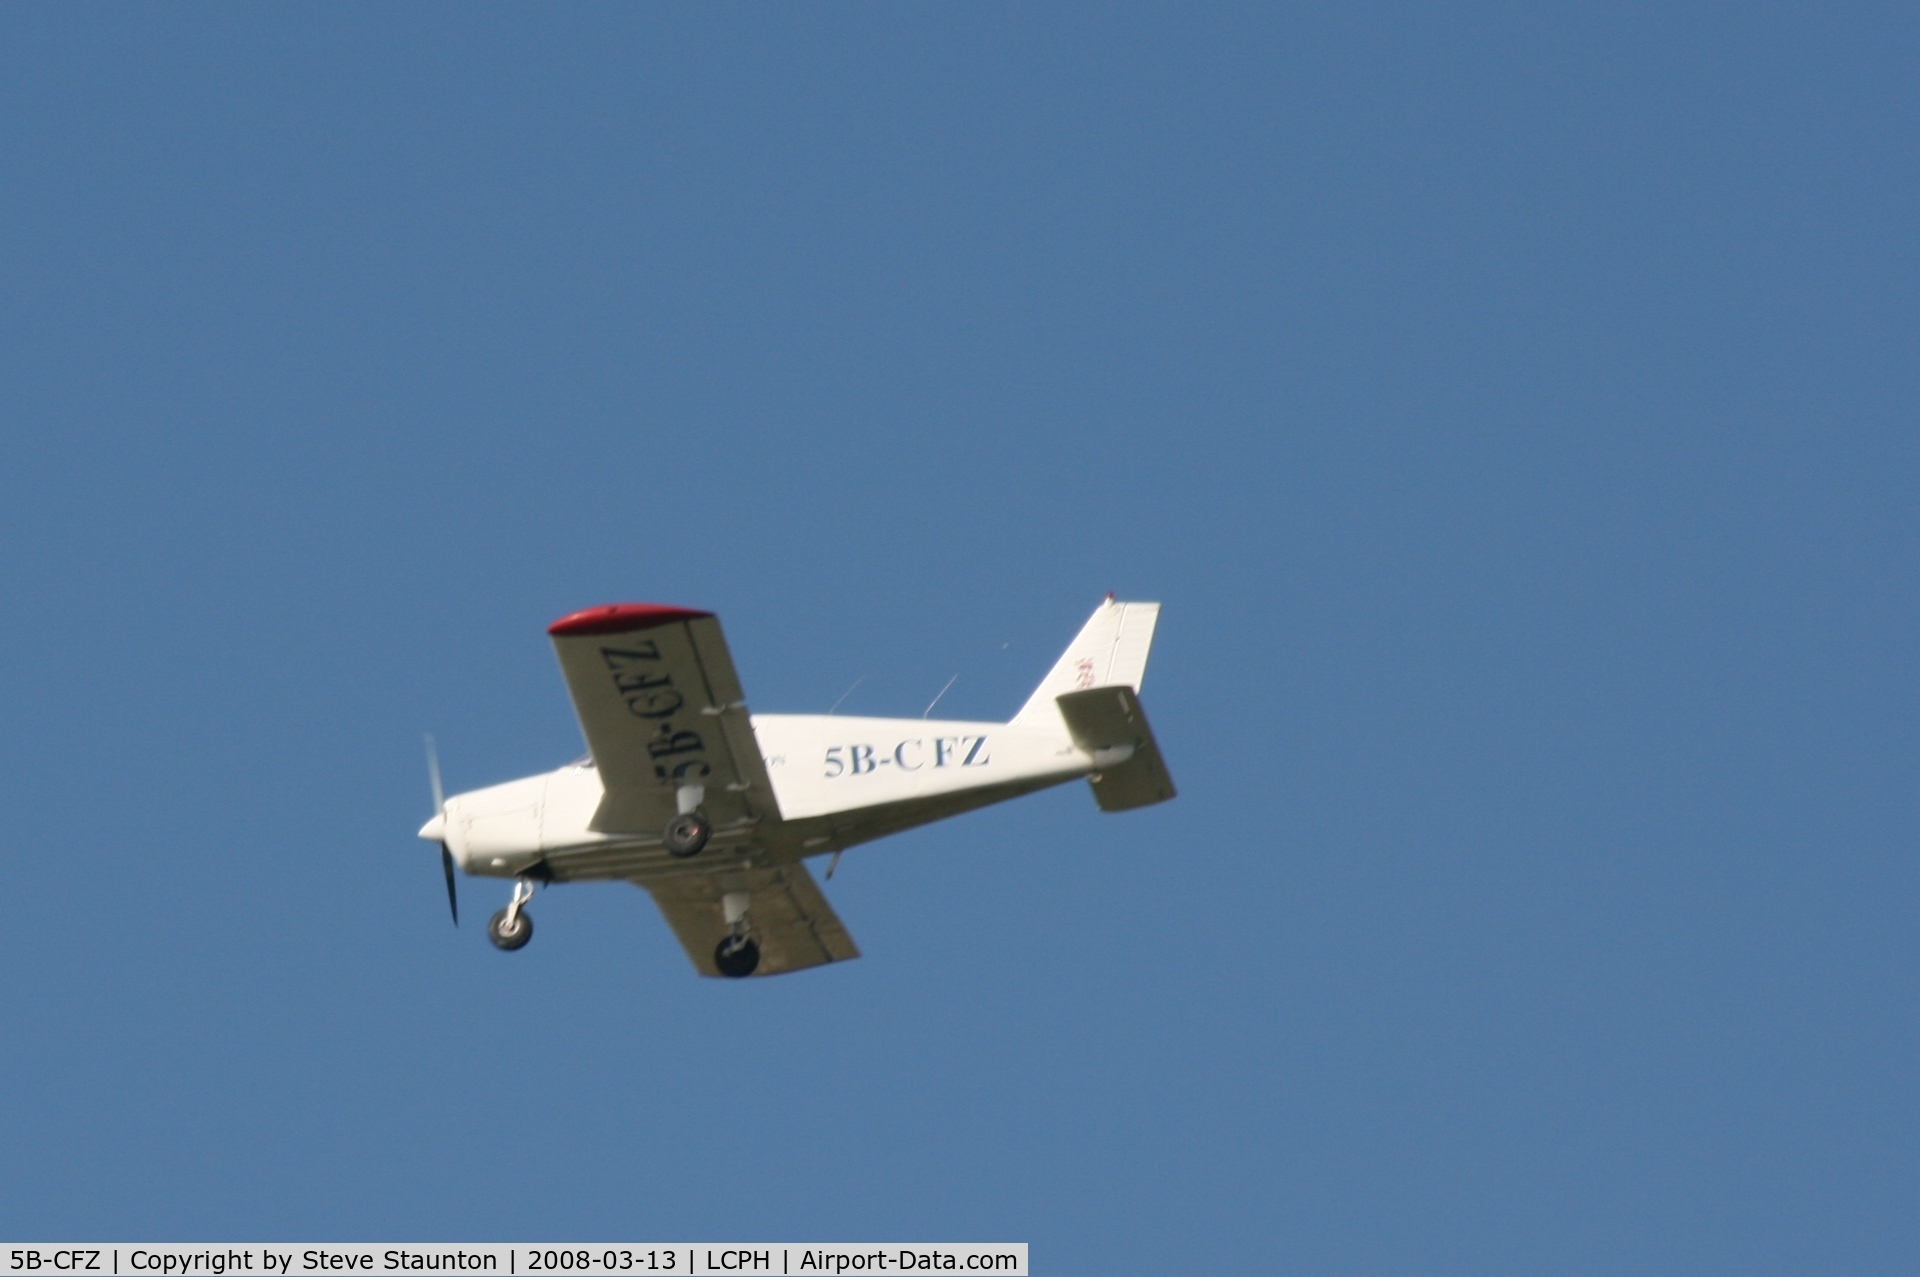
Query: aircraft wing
{"points": [[792, 922], [660, 706]]}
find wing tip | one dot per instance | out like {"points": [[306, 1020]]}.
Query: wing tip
{"points": [[620, 618]]}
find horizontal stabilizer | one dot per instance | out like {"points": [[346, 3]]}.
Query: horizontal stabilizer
{"points": [[1108, 723]]}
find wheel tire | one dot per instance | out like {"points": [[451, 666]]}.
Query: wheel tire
{"points": [[739, 961], [687, 835], [517, 938]]}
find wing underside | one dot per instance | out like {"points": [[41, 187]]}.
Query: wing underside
{"points": [[789, 917], [661, 708]]}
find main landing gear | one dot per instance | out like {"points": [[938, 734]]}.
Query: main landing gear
{"points": [[512, 927], [737, 955], [688, 832]]}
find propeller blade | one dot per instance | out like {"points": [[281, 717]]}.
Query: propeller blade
{"points": [[433, 775], [440, 809], [453, 900]]}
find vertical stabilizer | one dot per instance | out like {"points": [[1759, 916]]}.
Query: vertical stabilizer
{"points": [[1111, 648]]}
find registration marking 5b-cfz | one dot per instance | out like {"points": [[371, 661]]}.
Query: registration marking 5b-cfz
{"points": [[907, 755]]}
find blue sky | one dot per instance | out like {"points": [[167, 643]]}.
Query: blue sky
{"points": [[1512, 408]]}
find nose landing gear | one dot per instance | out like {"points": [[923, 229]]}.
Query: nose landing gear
{"points": [[512, 927]]}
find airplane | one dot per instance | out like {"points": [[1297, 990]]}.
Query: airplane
{"points": [[713, 809]]}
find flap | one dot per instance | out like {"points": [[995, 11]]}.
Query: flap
{"points": [[660, 706], [1108, 723], [789, 917]]}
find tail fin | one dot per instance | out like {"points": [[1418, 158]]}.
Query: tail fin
{"points": [[1110, 648]]}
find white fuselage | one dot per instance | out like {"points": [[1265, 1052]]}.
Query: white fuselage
{"points": [[825, 771]]}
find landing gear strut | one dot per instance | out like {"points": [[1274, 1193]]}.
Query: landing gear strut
{"points": [[512, 927], [737, 955]]}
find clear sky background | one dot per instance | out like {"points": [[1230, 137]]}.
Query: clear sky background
{"points": [[1513, 408]]}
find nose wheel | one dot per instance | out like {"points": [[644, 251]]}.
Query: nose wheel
{"points": [[512, 927]]}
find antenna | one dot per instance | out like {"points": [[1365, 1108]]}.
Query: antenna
{"points": [[848, 692], [936, 700]]}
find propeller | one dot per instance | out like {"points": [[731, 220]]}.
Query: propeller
{"points": [[440, 810]]}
